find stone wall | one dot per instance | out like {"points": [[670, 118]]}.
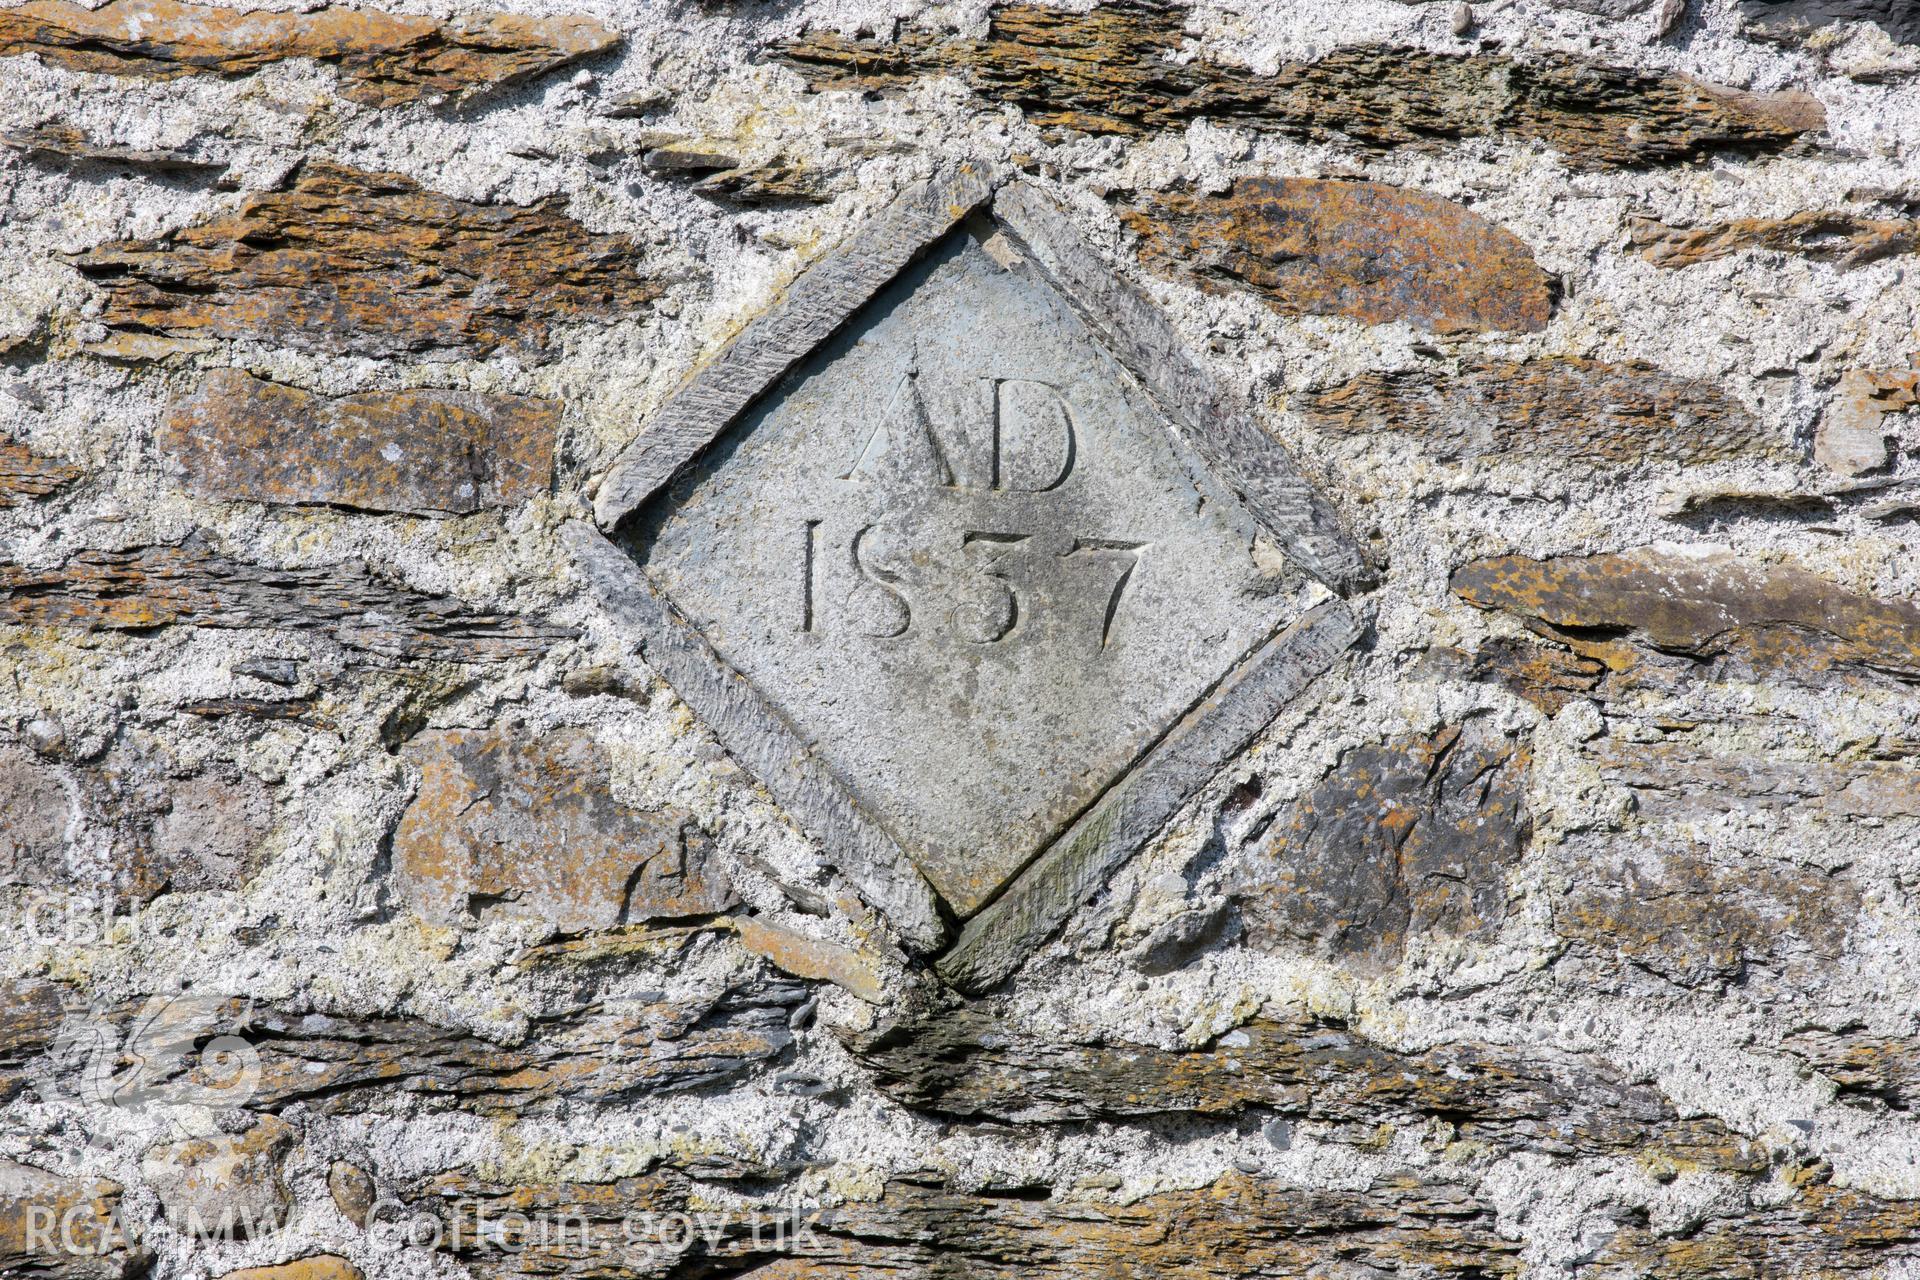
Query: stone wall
{"points": [[376, 907]]}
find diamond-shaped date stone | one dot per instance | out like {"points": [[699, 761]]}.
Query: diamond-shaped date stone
{"points": [[927, 549], [965, 558]]}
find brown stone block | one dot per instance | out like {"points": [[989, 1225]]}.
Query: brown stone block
{"points": [[238, 437], [322, 1266], [191, 585], [611, 1051], [55, 1228], [1127, 68], [229, 1186], [605, 1050], [1824, 235], [531, 828], [1772, 621], [371, 264], [1797, 20], [1237, 1227], [1864, 1067], [1585, 411], [384, 58], [1405, 838], [25, 475], [1681, 780], [1852, 438], [1547, 677], [1699, 923], [128, 826], [967, 1063], [1824, 1231], [64, 144], [1368, 250], [812, 958]]}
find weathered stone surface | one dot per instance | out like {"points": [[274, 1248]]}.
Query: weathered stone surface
{"points": [[239, 437], [611, 1051], [1772, 621], [1848, 239], [1700, 923], [606, 1050], [1368, 250], [1585, 411], [384, 58], [65, 144], [1679, 779], [1408, 838], [1238, 1227], [532, 828], [1825, 1231], [1865, 1068], [229, 1186], [26, 475], [30, 1016], [778, 181], [938, 505], [322, 1266], [1794, 19], [54, 1228], [1852, 437], [128, 826], [967, 1064], [1123, 68], [192, 585], [1547, 677], [371, 264]]}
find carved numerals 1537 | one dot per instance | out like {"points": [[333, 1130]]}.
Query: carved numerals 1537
{"points": [[982, 605]]}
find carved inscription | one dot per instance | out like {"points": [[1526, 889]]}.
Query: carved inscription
{"points": [[1031, 444], [958, 552]]}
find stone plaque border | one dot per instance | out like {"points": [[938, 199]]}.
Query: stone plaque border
{"points": [[1241, 455]]}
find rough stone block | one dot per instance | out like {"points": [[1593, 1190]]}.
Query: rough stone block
{"points": [[228, 1186], [1125, 68], [1375, 252], [26, 475], [54, 1228], [240, 437], [1796, 19], [386, 59], [324, 264], [1852, 437], [532, 828], [1772, 621], [1575, 410], [192, 585], [1402, 840], [1848, 239]]}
